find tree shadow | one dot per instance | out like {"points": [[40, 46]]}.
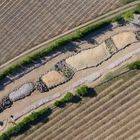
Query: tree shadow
{"points": [[62, 105], [76, 99], [91, 93], [4, 82], [91, 36], [69, 47], [122, 22]]}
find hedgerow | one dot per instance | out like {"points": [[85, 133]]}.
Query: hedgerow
{"points": [[69, 97], [25, 124]]}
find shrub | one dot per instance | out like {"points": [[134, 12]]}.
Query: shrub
{"points": [[68, 97], [134, 65], [58, 103], [53, 46], [82, 91], [128, 16]]}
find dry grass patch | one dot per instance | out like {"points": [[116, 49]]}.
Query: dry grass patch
{"points": [[121, 40], [52, 78], [89, 57]]}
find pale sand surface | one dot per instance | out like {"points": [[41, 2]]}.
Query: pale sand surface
{"points": [[123, 39], [52, 78], [88, 58]]}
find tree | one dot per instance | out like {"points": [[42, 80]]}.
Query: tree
{"points": [[68, 97], [134, 65], [58, 103], [82, 91]]}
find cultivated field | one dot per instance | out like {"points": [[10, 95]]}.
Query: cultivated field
{"points": [[108, 116], [24, 23]]}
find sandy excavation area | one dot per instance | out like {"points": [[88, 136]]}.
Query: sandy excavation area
{"points": [[89, 57], [121, 40], [52, 78]]}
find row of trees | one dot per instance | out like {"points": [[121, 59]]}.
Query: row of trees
{"points": [[26, 123], [83, 91]]}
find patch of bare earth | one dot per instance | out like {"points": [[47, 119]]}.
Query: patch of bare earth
{"points": [[123, 39], [52, 78]]}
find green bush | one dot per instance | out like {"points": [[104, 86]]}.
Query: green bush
{"points": [[69, 97], [134, 65], [58, 103], [25, 124], [82, 91], [128, 16]]}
